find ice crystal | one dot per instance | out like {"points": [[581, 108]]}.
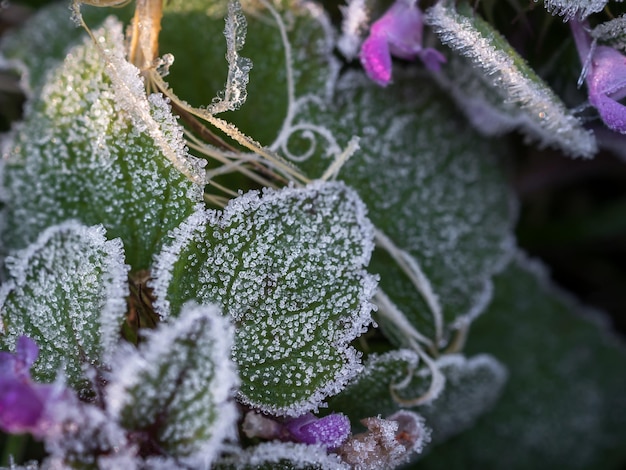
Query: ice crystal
{"points": [[353, 27], [569, 9], [287, 267], [179, 385], [66, 291], [239, 67], [612, 32], [545, 117], [79, 154]]}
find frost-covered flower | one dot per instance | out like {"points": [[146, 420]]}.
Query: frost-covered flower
{"points": [[330, 431], [605, 70], [399, 33], [22, 401]]}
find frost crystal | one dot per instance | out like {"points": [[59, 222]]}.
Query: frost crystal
{"points": [[612, 32], [353, 27], [544, 115], [67, 291], [179, 385], [574, 8], [238, 67], [287, 267]]}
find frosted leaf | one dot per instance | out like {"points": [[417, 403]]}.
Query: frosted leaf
{"points": [[193, 28], [41, 43], [67, 292], [239, 67], [287, 267], [368, 393], [283, 456], [178, 386], [472, 387], [563, 405], [82, 435], [569, 9], [433, 189], [477, 100], [543, 116], [612, 32], [80, 155]]}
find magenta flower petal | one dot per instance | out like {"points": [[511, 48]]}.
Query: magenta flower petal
{"points": [[432, 58], [403, 26], [21, 406], [22, 401], [612, 113], [606, 78], [330, 431], [399, 33], [376, 59]]}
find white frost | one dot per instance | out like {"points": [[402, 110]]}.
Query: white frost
{"points": [[569, 9], [288, 267], [545, 116], [184, 367]]}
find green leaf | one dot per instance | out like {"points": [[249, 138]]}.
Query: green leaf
{"points": [[433, 190], [177, 388], [288, 267], [521, 98], [67, 292], [563, 406], [44, 40], [194, 28], [94, 147], [472, 387]]}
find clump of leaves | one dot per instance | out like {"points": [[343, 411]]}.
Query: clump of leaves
{"points": [[273, 261]]}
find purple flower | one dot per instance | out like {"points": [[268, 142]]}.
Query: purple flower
{"points": [[330, 431], [22, 401], [605, 77], [399, 33]]}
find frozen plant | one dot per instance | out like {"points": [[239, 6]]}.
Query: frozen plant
{"points": [[272, 261]]}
